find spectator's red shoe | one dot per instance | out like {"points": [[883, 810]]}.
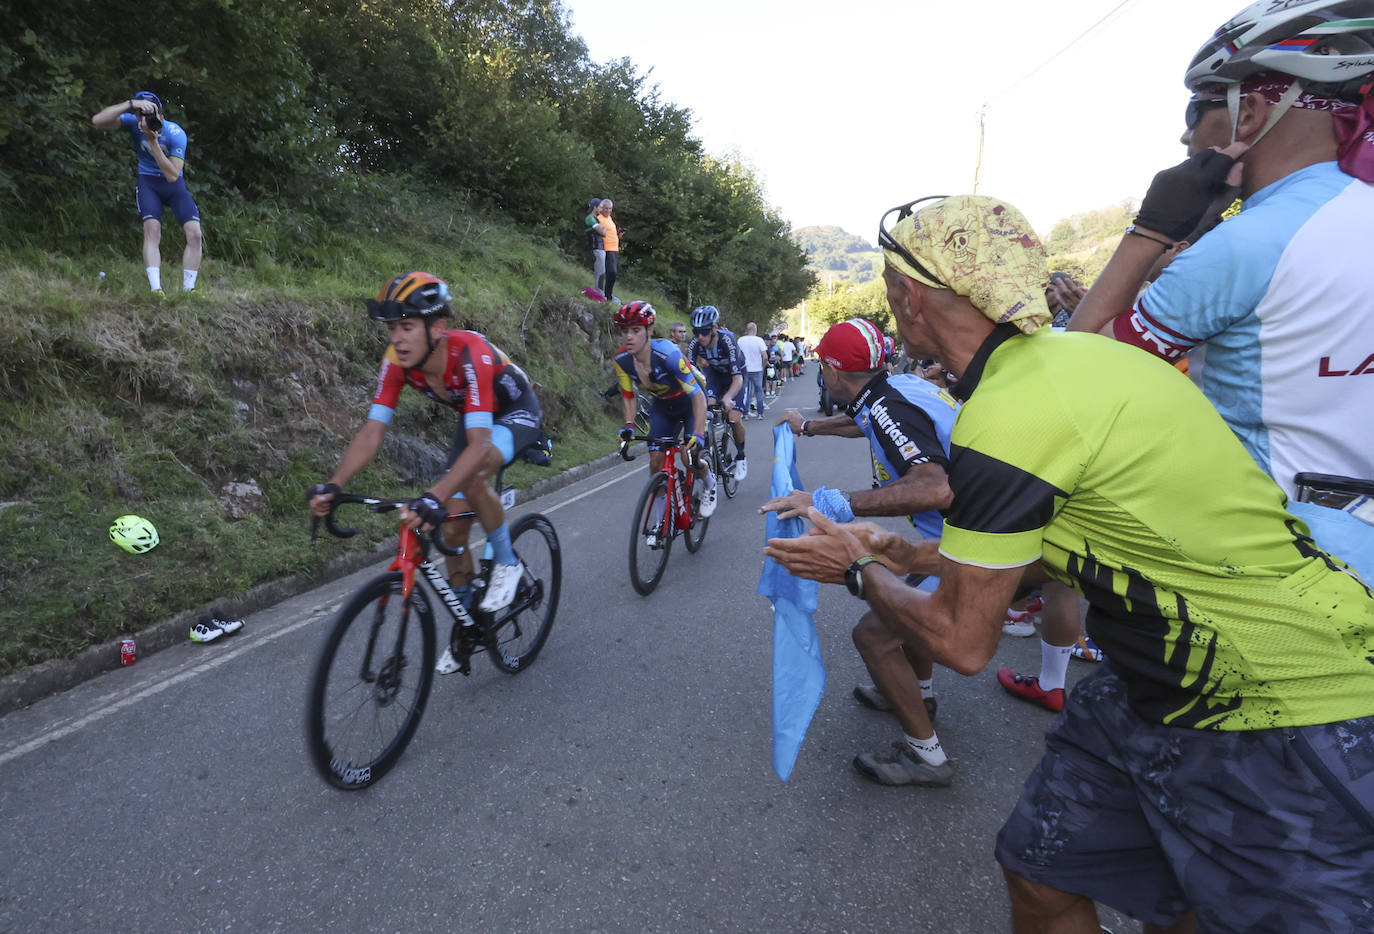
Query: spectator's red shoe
{"points": [[1027, 687], [1035, 605]]}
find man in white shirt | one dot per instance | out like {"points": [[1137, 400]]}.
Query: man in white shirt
{"points": [[754, 350], [788, 351]]}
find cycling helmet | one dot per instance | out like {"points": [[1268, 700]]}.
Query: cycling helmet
{"points": [[134, 534], [704, 316], [1328, 42], [636, 314], [412, 295]]}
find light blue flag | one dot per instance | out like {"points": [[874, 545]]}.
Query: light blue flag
{"points": [[1340, 534], [798, 673]]}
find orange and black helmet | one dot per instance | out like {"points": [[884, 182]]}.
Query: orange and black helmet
{"points": [[635, 314], [412, 295]]}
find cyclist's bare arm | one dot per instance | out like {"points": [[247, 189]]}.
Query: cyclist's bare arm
{"points": [[364, 446], [1115, 290], [629, 408]]}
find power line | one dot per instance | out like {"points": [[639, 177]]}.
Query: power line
{"points": [[1109, 14]]}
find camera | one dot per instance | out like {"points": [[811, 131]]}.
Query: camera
{"points": [[153, 121]]}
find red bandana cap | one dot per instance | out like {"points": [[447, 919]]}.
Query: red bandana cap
{"points": [[1354, 121], [852, 346]]}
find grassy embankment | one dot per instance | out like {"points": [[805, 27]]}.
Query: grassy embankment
{"points": [[113, 403]]}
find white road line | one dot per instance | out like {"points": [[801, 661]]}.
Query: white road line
{"points": [[105, 707]]}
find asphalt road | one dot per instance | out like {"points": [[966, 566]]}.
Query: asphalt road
{"points": [[622, 783]]}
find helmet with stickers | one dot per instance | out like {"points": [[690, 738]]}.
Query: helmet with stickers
{"points": [[1323, 42], [635, 314]]}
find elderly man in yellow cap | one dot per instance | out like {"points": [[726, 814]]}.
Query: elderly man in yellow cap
{"points": [[1220, 768]]}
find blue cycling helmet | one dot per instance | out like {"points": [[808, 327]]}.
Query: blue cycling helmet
{"points": [[704, 316]]}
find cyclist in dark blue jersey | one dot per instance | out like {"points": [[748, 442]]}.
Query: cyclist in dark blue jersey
{"points": [[657, 367], [716, 351]]}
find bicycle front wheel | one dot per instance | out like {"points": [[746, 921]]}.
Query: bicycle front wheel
{"points": [[696, 532], [650, 536], [517, 634], [370, 684]]}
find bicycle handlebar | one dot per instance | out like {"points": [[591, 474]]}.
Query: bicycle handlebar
{"points": [[379, 506]]}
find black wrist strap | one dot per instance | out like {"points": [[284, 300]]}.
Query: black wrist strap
{"points": [[1131, 231]]}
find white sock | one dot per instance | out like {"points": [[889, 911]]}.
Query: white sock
{"points": [[1054, 665], [154, 277], [188, 279], [927, 688], [928, 749]]}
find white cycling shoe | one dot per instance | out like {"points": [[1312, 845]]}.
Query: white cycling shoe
{"points": [[501, 587], [447, 664], [741, 469], [708, 502]]}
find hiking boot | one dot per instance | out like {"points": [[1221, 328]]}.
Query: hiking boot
{"points": [[505, 579], [1027, 687], [1019, 624], [900, 765], [1088, 650], [874, 699], [708, 502]]}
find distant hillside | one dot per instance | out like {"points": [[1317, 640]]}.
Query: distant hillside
{"points": [[1081, 245], [838, 256]]}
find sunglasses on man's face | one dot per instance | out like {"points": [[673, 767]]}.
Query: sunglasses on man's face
{"points": [[701, 332], [1197, 107], [889, 242]]}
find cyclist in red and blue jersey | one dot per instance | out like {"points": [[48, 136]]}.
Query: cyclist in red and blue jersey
{"points": [[658, 367], [499, 417], [716, 351]]}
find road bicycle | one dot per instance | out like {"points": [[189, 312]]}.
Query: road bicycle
{"points": [[720, 448], [669, 506], [376, 666]]}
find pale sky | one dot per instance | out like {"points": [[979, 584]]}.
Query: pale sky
{"points": [[847, 107]]}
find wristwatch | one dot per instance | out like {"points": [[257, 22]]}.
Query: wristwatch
{"points": [[854, 578], [805, 430]]}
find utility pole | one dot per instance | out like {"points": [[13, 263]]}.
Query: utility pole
{"points": [[978, 163]]}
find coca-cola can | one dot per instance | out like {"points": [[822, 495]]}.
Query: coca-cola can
{"points": [[128, 652]]}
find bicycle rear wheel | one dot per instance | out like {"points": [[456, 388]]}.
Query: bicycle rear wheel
{"points": [[517, 634], [648, 559], [370, 684]]}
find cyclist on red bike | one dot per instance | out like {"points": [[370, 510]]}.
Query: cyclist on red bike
{"points": [[499, 417], [657, 366], [715, 350]]}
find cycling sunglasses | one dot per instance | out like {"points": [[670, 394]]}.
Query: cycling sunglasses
{"points": [[1197, 107], [889, 242], [702, 332]]}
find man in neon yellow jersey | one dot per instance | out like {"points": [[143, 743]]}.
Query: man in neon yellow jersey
{"points": [[1220, 766]]}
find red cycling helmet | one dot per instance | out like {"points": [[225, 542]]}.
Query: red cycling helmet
{"points": [[635, 314], [411, 295]]}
